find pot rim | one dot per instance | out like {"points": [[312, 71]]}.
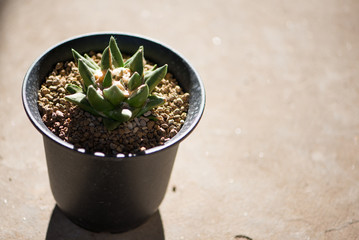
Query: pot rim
{"points": [[181, 135]]}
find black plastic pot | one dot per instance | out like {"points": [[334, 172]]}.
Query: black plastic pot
{"points": [[106, 193]]}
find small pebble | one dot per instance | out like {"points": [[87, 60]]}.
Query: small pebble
{"points": [[146, 114], [59, 114], [53, 88], [130, 125], [142, 123], [49, 97], [59, 65], [137, 121], [173, 132], [150, 124]]}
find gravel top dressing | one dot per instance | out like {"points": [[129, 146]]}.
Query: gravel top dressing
{"points": [[74, 125]]}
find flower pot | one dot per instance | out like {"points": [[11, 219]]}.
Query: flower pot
{"points": [[110, 193]]}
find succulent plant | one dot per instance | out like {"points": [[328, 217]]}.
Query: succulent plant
{"points": [[116, 90]]}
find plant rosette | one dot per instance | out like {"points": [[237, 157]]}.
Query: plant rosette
{"points": [[118, 184]]}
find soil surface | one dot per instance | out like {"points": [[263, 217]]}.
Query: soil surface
{"points": [[74, 125]]}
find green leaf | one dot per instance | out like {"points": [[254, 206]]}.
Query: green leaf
{"points": [[135, 63], [153, 101], [153, 78], [91, 62], [139, 97], [145, 74], [114, 95], [120, 115], [117, 59], [86, 74], [105, 60], [80, 100], [134, 82], [77, 56], [110, 124], [72, 88], [97, 101], [107, 81], [152, 69]]}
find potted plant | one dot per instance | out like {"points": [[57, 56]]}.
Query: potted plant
{"points": [[96, 190]]}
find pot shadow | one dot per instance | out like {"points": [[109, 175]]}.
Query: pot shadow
{"points": [[61, 228]]}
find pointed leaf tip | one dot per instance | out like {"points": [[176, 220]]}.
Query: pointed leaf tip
{"points": [[134, 82], [115, 53], [97, 101], [86, 74], [152, 102], [76, 55], [72, 88], [107, 81], [114, 95], [105, 60], [135, 63], [90, 63], [138, 98], [153, 78], [81, 100]]}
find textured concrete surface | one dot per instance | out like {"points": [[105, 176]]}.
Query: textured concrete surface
{"points": [[276, 153]]}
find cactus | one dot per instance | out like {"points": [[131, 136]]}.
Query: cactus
{"points": [[115, 89]]}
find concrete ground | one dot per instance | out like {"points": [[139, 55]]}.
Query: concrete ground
{"points": [[276, 155]]}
